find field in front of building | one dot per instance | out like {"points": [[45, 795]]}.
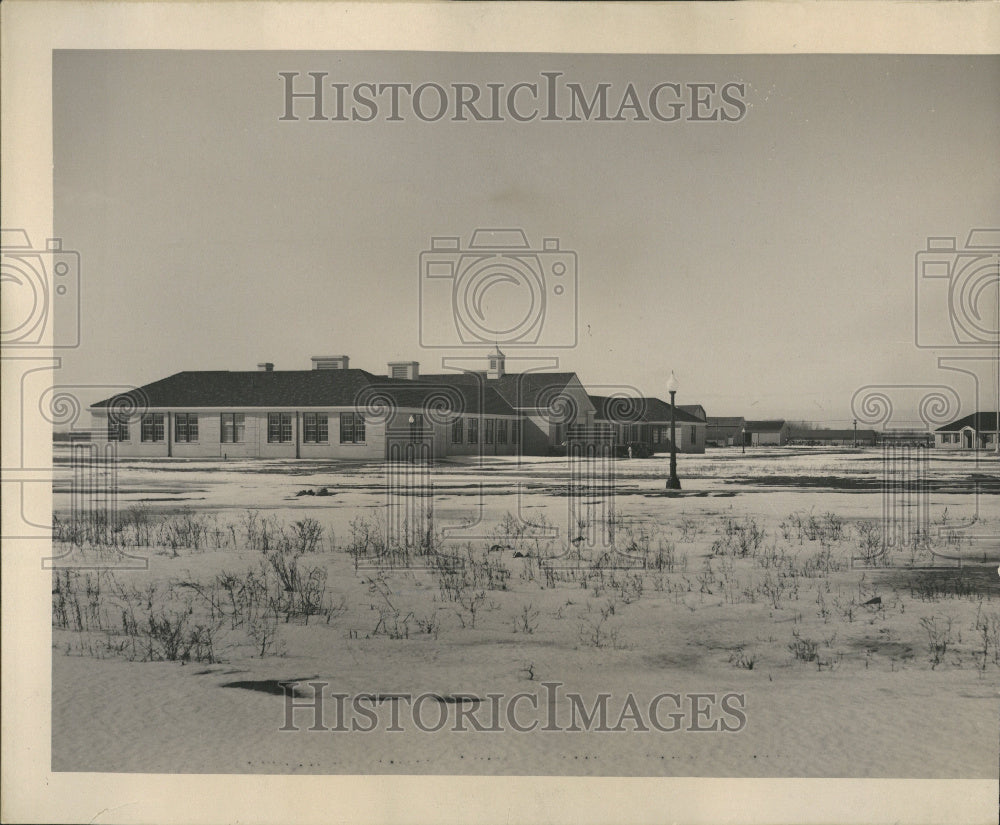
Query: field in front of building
{"points": [[535, 617]]}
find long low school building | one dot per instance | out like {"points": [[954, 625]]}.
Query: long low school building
{"points": [[320, 413]]}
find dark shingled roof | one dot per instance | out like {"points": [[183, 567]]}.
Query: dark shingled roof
{"points": [[696, 410], [624, 410], [732, 421], [979, 421], [304, 388], [764, 426], [525, 390]]}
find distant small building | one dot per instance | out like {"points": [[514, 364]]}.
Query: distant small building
{"points": [[724, 432], [773, 433], [828, 437], [974, 432], [909, 438]]}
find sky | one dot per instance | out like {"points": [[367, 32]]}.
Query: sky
{"points": [[768, 262]]}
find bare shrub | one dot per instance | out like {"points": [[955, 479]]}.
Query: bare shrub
{"points": [[873, 548], [739, 538], [804, 650], [988, 627], [938, 629], [527, 620]]}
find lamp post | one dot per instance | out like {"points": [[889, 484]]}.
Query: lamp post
{"points": [[855, 432], [673, 483]]}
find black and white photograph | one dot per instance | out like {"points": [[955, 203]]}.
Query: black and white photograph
{"points": [[484, 412]]}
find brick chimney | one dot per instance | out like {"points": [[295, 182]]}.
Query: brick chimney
{"points": [[265, 366], [404, 369], [330, 362]]}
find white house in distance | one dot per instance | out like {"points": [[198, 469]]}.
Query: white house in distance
{"points": [[765, 433], [977, 431], [334, 411]]}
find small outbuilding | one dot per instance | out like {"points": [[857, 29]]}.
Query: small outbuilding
{"points": [[725, 432], [977, 431], [766, 433]]}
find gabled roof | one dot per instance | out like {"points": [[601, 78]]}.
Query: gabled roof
{"points": [[696, 410], [771, 426], [223, 389], [644, 409], [979, 421]]}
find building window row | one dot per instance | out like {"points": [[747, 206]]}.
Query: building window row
{"points": [[232, 428], [495, 430], [315, 428]]}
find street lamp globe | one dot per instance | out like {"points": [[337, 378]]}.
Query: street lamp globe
{"points": [[672, 385]]}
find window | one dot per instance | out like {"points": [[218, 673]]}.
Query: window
{"points": [[416, 427], [694, 434], [279, 428], [473, 430], [117, 428], [352, 428], [315, 428], [185, 427], [489, 428], [501, 431], [152, 427], [458, 431], [515, 431], [656, 435], [233, 428]]}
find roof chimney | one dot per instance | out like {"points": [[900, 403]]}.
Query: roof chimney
{"points": [[266, 366], [330, 362], [409, 370]]}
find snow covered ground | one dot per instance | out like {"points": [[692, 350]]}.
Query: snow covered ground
{"points": [[743, 643]]}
